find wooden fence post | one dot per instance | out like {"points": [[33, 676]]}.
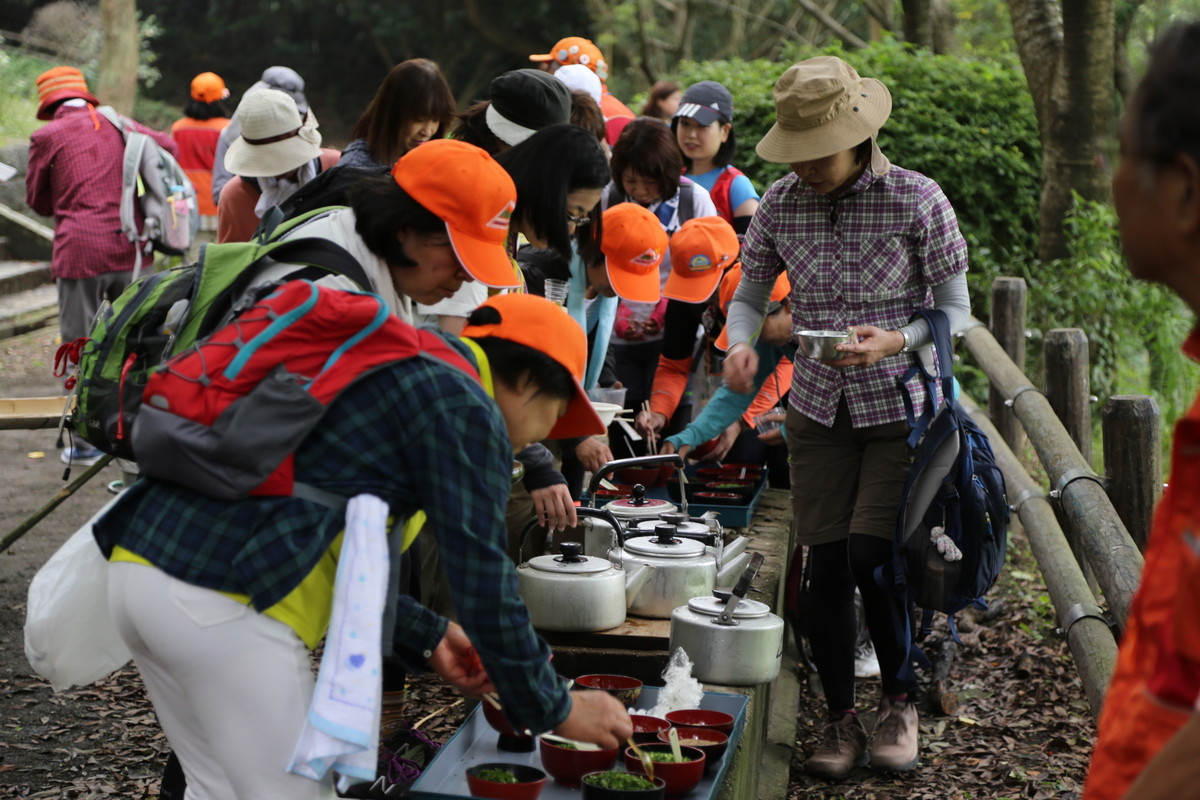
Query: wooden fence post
{"points": [[1068, 386], [1132, 430], [1008, 326]]}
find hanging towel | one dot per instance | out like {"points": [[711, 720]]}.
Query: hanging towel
{"points": [[342, 729]]}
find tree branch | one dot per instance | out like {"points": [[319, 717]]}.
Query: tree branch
{"points": [[1038, 32], [837, 28]]}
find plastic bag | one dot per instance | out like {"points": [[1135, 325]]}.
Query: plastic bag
{"points": [[70, 638]]}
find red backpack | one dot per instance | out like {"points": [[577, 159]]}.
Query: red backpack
{"points": [[225, 417], [720, 192]]}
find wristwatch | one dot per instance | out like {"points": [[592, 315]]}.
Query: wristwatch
{"points": [[907, 341]]}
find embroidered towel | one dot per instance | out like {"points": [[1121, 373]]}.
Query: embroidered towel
{"points": [[342, 730]]}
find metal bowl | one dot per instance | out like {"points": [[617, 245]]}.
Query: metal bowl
{"points": [[821, 344]]}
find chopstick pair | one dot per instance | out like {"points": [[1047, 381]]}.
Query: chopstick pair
{"points": [[651, 435]]}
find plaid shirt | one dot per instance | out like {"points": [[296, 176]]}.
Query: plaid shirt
{"points": [[419, 435], [74, 175], [866, 258]]}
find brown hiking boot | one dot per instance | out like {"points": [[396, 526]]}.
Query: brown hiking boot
{"points": [[894, 741], [844, 748]]}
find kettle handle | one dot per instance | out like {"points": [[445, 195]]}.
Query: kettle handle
{"points": [[597, 513], [739, 591], [638, 461]]}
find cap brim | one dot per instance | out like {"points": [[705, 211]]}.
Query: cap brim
{"points": [[692, 289], [542, 57], [703, 115], [487, 262], [269, 160], [645, 288], [45, 110], [581, 418], [505, 129]]}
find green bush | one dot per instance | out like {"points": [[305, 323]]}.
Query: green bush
{"points": [[967, 123], [18, 96]]}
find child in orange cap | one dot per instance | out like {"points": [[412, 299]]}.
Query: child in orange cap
{"points": [[196, 133]]}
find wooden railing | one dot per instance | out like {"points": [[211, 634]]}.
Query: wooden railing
{"points": [[1093, 556]]}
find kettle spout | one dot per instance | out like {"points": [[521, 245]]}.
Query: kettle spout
{"points": [[730, 570], [634, 581]]}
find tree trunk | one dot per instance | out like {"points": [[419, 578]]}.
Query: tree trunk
{"points": [[116, 83], [1067, 54], [918, 22]]}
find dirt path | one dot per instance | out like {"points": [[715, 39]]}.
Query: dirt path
{"points": [[1022, 730]]}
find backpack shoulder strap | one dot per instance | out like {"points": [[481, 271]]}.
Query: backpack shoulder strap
{"points": [[110, 114], [687, 202]]}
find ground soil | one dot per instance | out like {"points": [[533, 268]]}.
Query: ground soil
{"points": [[1022, 729]]}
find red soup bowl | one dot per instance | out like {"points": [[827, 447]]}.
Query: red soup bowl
{"points": [[510, 741], [646, 476], [646, 728], [622, 687], [530, 781], [681, 776], [711, 741], [701, 718], [568, 765]]}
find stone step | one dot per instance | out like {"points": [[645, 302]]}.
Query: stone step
{"points": [[28, 310], [18, 276]]}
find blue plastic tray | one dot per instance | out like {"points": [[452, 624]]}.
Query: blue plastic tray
{"points": [[475, 743], [731, 516]]}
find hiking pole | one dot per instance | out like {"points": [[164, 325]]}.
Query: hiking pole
{"points": [[54, 502]]}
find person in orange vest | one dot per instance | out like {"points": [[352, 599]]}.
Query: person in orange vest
{"points": [[1149, 732], [204, 117], [577, 50]]}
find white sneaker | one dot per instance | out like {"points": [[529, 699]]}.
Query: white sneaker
{"points": [[80, 455], [866, 665]]}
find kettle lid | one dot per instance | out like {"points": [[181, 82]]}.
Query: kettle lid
{"points": [[584, 566], [677, 548], [648, 508], [713, 606]]}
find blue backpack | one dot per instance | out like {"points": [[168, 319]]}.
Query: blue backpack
{"points": [[953, 485]]}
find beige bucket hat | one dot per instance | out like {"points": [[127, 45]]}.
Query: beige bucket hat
{"points": [[822, 106], [276, 138]]}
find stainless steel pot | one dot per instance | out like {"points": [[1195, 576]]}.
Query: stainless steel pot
{"points": [[680, 568], [737, 642]]}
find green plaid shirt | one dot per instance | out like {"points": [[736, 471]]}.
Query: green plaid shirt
{"points": [[419, 434]]}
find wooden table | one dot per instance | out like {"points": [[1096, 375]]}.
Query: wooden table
{"points": [[639, 648]]}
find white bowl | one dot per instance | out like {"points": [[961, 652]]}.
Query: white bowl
{"points": [[607, 411]]}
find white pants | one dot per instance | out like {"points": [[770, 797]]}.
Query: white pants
{"points": [[231, 686]]}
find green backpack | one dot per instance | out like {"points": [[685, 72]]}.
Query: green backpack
{"points": [[164, 313]]}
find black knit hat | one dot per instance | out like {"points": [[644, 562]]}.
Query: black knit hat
{"points": [[525, 101]]}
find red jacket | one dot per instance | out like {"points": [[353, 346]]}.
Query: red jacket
{"points": [[1156, 683], [74, 175], [197, 141]]}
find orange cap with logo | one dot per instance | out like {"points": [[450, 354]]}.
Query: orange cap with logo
{"points": [[209, 87], [729, 285], [701, 250], [634, 244], [576, 50], [473, 195], [540, 324]]}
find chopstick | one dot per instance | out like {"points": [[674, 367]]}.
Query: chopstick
{"points": [[651, 435]]}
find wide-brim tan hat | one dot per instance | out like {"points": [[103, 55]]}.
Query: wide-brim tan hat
{"points": [[822, 107], [276, 138]]}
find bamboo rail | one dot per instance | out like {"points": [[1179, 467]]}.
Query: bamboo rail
{"points": [[1080, 621], [1109, 549]]}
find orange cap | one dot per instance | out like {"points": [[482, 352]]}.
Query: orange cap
{"points": [[576, 50], [209, 87], [701, 250], [473, 195], [729, 285], [634, 244], [61, 83], [538, 323]]}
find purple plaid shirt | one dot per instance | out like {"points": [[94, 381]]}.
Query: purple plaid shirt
{"points": [[867, 258]]}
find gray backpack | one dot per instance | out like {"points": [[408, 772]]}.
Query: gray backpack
{"points": [[153, 177]]}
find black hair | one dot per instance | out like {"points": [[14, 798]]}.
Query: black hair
{"points": [[413, 89], [648, 147], [538, 265], [1163, 119], [381, 210], [546, 167], [510, 361], [862, 153], [198, 109], [725, 153], [472, 128]]}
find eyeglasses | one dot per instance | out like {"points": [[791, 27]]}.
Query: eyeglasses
{"points": [[579, 221]]}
